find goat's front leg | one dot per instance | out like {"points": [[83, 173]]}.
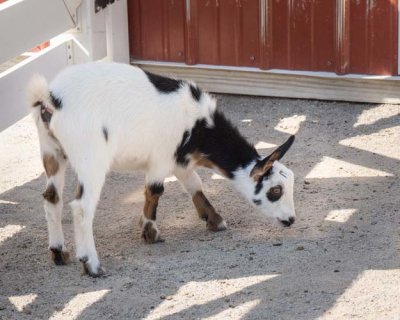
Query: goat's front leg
{"points": [[152, 193], [192, 183]]}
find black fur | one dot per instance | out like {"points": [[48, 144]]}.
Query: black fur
{"points": [[57, 102], [58, 259], [259, 186], [156, 188], [105, 133], [79, 191], [257, 202], [45, 115], [196, 92], [183, 150], [163, 84], [222, 144]]}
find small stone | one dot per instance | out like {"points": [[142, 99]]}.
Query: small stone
{"points": [[162, 297], [300, 248], [336, 270], [277, 244], [306, 182], [374, 223], [251, 258]]}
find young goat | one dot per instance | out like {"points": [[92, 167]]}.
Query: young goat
{"points": [[102, 116]]}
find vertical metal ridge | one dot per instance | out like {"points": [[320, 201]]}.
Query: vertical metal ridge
{"points": [[165, 29], [218, 24], [238, 34], [265, 35], [342, 37], [368, 39], [190, 45], [289, 39], [397, 23], [312, 40]]}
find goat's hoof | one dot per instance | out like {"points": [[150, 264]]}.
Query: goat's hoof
{"points": [[58, 256], [93, 272], [150, 233], [219, 225]]}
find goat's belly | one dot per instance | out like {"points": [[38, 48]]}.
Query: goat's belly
{"points": [[129, 164]]}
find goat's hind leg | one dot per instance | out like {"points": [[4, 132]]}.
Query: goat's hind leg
{"points": [[192, 183], [91, 180], [54, 162]]}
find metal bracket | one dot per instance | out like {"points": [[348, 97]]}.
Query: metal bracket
{"points": [[70, 52], [72, 6]]}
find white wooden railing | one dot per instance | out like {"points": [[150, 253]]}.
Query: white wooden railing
{"points": [[78, 34]]}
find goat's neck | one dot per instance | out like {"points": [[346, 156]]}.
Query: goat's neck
{"points": [[222, 146]]}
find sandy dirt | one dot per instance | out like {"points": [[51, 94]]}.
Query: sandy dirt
{"points": [[340, 260]]}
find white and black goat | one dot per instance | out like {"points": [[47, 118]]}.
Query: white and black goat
{"points": [[103, 116]]}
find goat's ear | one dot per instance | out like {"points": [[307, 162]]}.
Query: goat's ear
{"points": [[262, 166]]}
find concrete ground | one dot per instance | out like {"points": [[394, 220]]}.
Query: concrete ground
{"points": [[340, 260]]}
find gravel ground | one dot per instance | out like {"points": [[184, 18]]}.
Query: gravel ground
{"points": [[340, 260]]}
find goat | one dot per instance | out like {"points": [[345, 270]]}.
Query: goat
{"points": [[103, 116]]}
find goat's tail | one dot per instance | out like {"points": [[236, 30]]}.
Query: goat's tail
{"points": [[39, 94]]}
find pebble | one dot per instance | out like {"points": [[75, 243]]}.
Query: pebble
{"points": [[300, 248], [277, 244]]}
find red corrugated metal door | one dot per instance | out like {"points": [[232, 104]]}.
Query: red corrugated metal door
{"points": [[342, 36]]}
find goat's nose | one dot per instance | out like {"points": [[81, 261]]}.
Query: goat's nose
{"points": [[289, 222]]}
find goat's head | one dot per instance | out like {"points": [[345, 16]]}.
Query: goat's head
{"points": [[273, 186]]}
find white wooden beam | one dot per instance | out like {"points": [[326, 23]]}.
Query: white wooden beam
{"points": [[281, 83], [25, 24], [13, 81], [117, 31], [90, 35]]}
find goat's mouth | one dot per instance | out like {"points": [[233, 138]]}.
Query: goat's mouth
{"points": [[288, 222]]}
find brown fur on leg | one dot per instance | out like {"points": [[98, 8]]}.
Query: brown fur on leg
{"points": [[149, 231], [51, 194], [207, 212], [50, 164]]}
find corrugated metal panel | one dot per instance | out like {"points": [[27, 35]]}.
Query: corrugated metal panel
{"points": [[373, 37], [342, 36], [302, 34], [227, 32], [157, 29]]}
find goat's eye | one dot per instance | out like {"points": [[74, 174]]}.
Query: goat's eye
{"points": [[275, 193]]}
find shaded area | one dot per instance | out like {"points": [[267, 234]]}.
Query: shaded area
{"points": [[255, 269]]}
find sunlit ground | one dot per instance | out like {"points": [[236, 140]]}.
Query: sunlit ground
{"points": [[339, 261]]}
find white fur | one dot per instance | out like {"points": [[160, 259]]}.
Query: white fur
{"points": [[144, 128], [282, 209]]}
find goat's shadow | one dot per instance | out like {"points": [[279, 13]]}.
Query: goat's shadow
{"points": [[143, 280]]}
